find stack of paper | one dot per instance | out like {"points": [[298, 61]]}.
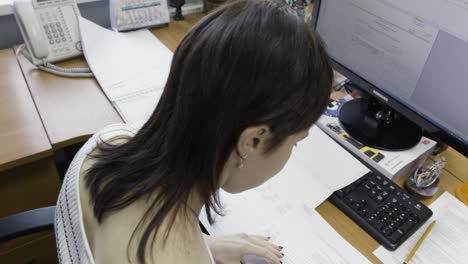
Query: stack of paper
{"points": [[284, 206], [132, 68], [446, 243]]}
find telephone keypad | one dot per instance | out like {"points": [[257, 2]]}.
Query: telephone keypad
{"points": [[55, 34]]}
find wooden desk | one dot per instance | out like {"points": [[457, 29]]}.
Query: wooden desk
{"points": [[457, 164], [22, 136], [174, 33], [74, 109], [71, 109]]}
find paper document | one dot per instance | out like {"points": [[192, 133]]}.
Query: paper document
{"points": [[446, 243], [317, 167], [131, 68], [310, 239]]}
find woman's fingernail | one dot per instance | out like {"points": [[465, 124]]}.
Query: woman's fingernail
{"points": [[282, 254], [280, 247], [268, 238]]}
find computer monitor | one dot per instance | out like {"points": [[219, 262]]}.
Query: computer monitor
{"points": [[411, 60]]}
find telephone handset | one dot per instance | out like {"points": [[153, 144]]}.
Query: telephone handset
{"points": [[51, 33]]}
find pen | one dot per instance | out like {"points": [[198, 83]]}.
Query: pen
{"points": [[418, 244]]}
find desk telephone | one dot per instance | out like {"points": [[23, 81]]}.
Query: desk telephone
{"points": [[51, 33]]}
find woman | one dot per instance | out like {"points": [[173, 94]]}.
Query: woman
{"points": [[245, 86]]}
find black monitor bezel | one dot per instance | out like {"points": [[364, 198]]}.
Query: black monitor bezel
{"points": [[438, 132]]}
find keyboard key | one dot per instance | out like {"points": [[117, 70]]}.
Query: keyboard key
{"points": [[379, 189], [404, 216], [366, 187], [376, 223], [385, 231], [340, 193], [379, 198], [364, 212], [396, 235], [385, 194], [347, 190], [406, 226], [356, 206], [397, 222]]}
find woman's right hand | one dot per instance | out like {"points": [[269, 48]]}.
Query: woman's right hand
{"points": [[232, 249]]}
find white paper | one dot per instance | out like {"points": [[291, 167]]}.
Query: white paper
{"points": [[132, 68], [317, 167], [446, 243], [304, 230]]}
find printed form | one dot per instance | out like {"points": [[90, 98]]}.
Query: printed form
{"points": [[131, 68], [447, 242]]}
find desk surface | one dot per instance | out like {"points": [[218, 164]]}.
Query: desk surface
{"points": [[71, 109], [74, 109], [22, 136], [457, 164]]}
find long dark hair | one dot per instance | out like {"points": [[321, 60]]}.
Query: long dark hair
{"points": [[248, 63]]}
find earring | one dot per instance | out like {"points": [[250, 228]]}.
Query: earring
{"points": [[241, 161]]}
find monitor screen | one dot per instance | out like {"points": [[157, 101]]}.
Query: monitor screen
{"points": [[414, 51]]}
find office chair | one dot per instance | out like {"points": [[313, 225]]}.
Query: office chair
{"points": [[27, 223], [42, 219]]}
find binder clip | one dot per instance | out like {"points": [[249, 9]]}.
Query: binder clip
{"points": [[425, 179]]}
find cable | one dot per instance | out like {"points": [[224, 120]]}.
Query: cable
{"points": [[339, 86], [54, 69]]}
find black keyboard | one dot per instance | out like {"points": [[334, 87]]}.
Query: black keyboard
{"points": [[382, 209]]}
